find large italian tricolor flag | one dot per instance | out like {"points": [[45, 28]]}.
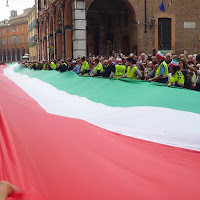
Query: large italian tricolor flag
{"points": [[65, 137]]}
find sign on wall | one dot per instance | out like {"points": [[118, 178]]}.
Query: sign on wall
{"points": [[189, 25], [51, 50]]}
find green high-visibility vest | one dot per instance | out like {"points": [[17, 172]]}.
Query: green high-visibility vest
{"points": [[166, 69], [53, 65], [98, 67], [178, 78], [130, 74], [120, 70]]}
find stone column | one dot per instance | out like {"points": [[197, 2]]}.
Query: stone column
{"points": [[54, 33], [38, 40], [62, 6], [79, 28], [47, 28], [42, 27]]}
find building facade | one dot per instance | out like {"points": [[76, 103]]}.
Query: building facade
{"points": [[32, 34], [71, 28], [13, 37]]}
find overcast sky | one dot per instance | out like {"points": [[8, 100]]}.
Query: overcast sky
{"points": [[18, 5]]}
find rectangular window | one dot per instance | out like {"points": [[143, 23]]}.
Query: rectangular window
{"points": [[12, 40], [3, 31], [13, 30], [17, 29], [22, 38], [17, 39], [7, 42], [3, 41], [22, 28], [164, 34], [7, 30]]}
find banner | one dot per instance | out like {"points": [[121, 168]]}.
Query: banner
{"points": [[68, 137]]}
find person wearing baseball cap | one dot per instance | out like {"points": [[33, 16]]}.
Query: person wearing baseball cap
{"points": [[162, 69], [177, 78], [119, 70]]}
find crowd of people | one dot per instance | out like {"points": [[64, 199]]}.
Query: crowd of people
{"points": [[173, 70]]}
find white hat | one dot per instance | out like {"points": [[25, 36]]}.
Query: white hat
{"points": [[119, 60], [174, 63], [160, 54]]}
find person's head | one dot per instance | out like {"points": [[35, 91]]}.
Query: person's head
{"points": [[174, 65], [154, 51], [83, 59], [198, 66], [190, 58], [168, 57], [149, 58], [182, 56], [119, 61], [182, 64], [74, 63], [132, 55], [175, 57], [160, 56], [198, 58], [130, 61], [105, 62], [124, 59], [143, 56], [96, 61], [149, 64], [110, 61]]}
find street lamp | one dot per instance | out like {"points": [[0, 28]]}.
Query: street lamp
{"points": [[152, 22]]}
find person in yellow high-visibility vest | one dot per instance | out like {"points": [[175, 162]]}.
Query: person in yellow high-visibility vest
{"points": [[177, 78], [98, 70], [132, 71], [53, 65], [162, 71], [119, 70], [85, 68]]}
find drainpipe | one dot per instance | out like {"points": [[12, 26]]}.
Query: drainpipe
{"points": [[145, 16]]}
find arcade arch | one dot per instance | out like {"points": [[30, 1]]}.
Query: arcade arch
{"points": [[111, 26]]}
